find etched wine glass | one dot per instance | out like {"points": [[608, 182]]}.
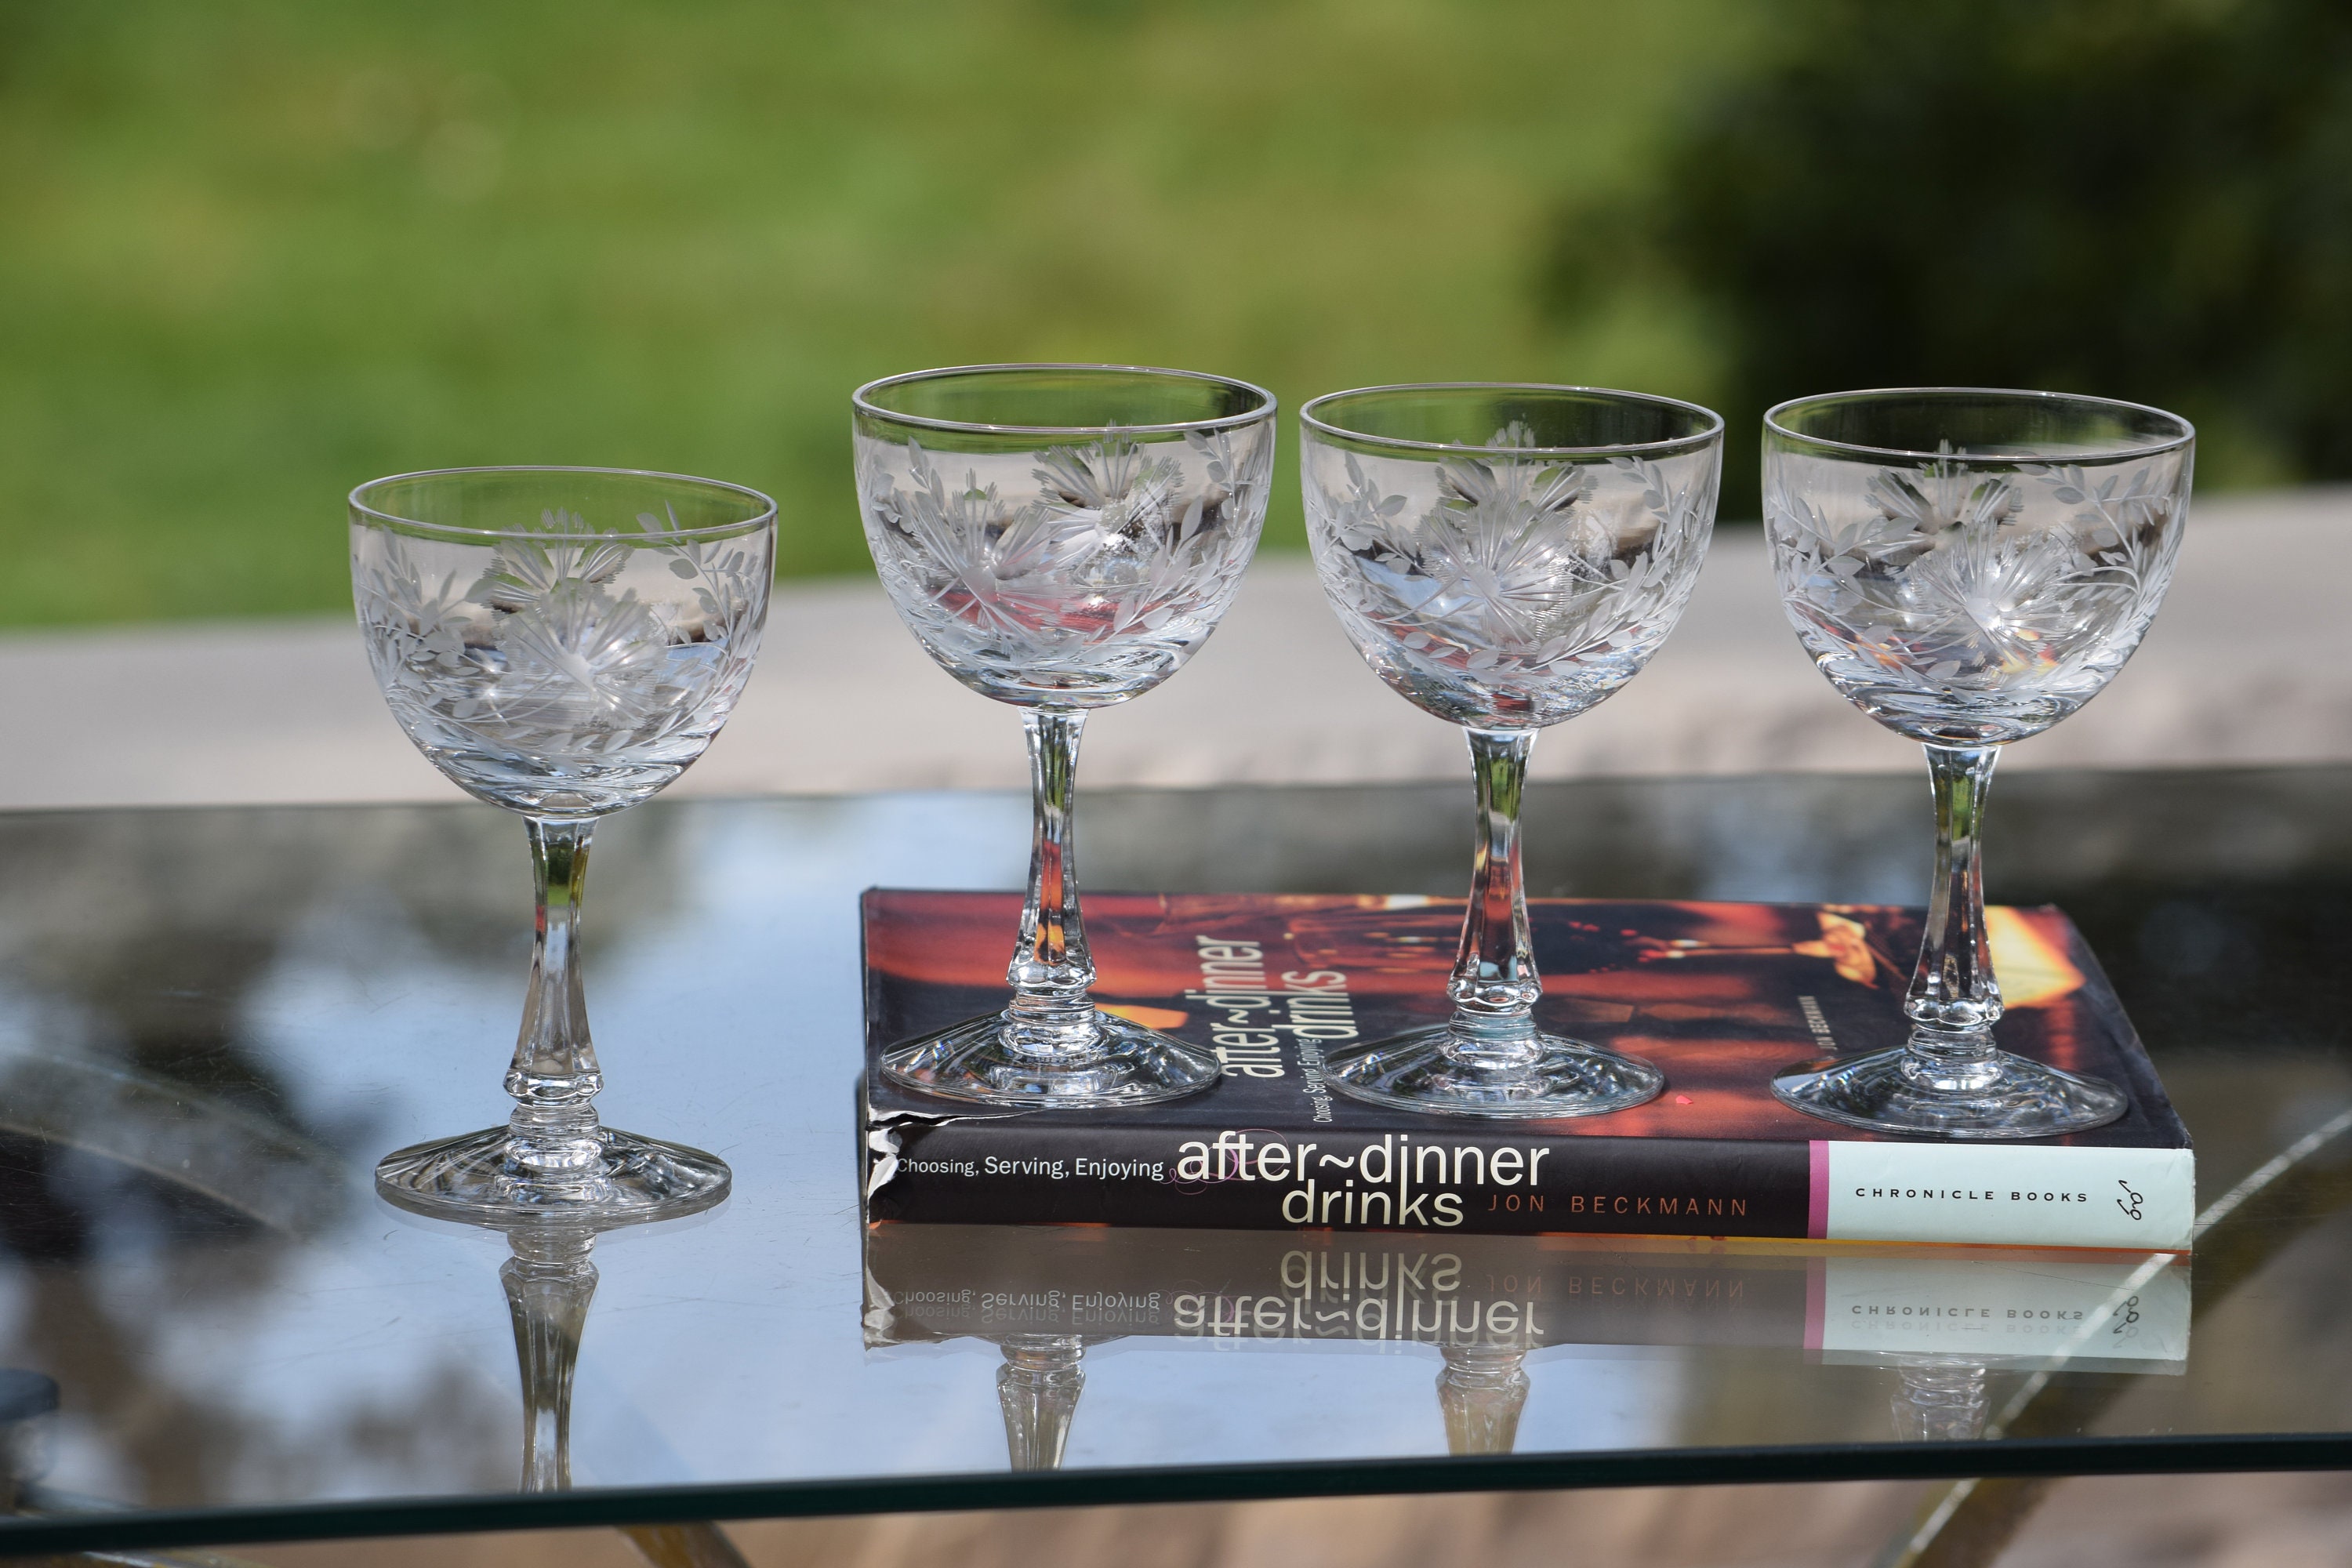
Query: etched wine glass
{"points": [[1505, 557], [563, 643], [1968, 567], [1060, 538]]}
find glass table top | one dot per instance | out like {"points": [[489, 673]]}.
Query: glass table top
{"points": [[213, 1022]]}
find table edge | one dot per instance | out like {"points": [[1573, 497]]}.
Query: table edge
{"points": [[988, 1490]]}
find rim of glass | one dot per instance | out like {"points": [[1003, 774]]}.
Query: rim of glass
{"points": [[2022, 394], [766, 514], [865, 405], [1307, 416]]}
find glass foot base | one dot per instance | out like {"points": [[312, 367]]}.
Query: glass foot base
{"points": [[2027, 1100], [972, 1061], [472, 1179], [1454, 1073]]}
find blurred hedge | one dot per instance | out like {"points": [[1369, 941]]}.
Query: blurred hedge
{"points": [[2147, 199]]}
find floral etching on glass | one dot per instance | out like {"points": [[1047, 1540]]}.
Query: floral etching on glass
{"points": [[2002, 598], [1525, 588], [1084, 574], [603, 663]]}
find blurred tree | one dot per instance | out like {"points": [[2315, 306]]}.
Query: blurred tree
{"points": [[254, 251], [2147, 199]]}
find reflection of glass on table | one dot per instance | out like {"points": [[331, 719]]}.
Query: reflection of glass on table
{"points": [[1481, 1390], [550, 1279], [1038, 1387]]}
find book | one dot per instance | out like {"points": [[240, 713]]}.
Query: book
{"points": [[2012, 1308], [1719, 996]]}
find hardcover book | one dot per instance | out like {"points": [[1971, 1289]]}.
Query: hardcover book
{"points": [[1718, 995]]}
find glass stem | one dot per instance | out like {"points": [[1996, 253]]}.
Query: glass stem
{"points": [[1495, 983], [549, 1282], [553, 1132], [1954, 999], [1051, 1016]]}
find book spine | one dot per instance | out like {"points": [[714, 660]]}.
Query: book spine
{"points": [[1481, 1180]]}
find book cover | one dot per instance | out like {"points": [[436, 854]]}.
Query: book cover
{"points": [[1719, 996]]}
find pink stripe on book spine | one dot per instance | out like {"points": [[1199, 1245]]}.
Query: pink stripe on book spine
{"points": [[1817, 1207]]}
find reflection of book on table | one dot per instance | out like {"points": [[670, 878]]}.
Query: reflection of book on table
{"points": [[1940, 1318], [1720, 995], [2001, 1307]]}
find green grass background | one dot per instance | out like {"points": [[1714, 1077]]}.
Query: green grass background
{"points": [[254, 252]]}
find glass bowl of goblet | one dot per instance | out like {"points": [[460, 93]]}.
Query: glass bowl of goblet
{"points": [[1504, 557], [1968, 567], [1060, 538], [563, 643]]}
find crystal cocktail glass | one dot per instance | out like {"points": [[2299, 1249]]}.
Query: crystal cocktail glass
{"points": [[560, 642], [1505, 557], [1060, 538], [1968, 567]]}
